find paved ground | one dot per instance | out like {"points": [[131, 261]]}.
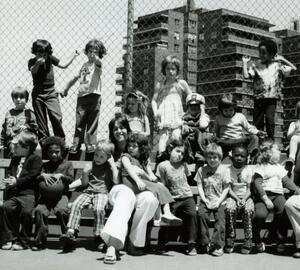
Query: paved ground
{"points": [[85, 258]]}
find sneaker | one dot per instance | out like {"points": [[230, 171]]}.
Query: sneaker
{"points": [[296, 254], [218, 252], [68, 241], [99, 243], [7, 246], [229, 245], [191, 252], [161, 249], [260, 247], [172, 220], [203, 249], [280, 248], [38, 247], [74, 149], [18, 246], [247, 247], [90, 148]]}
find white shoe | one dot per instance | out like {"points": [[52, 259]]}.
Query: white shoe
{"points": [[7, 246], [171, 219]]}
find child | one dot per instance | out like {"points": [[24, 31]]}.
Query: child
{"points": [[137, 174], [233, 128], [195, 124], [173, 174], [167, 102], [97, 179], [56, 170], [88, 98], [267, 82], [239, 200], [213, 184], [293, 135], [269, 181], [17, 119], [25, 166], [136, 111]]}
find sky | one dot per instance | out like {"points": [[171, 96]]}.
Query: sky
{"points": [[69, 24]]}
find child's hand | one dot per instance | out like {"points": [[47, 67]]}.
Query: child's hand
{"points": [[40, 60], [64, 93], [206, 202], [241, 202], [261, 134], [141, 185], [76, 53], [48, 179], [10, 181], [269, 204], [58, 176], [246, 59], [215, 205], [111, 160], [87, 168]]}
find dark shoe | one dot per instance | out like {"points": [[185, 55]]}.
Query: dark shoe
{"points": [[161, 249], [38, 247], [289, 164], [134, 251], [296, 254], [68, 241], [90, 148], [99, 243], [247, 247], [260, 247], [280, 248], [229, 245], [203, 249]]}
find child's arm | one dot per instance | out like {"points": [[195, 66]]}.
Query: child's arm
{"points": [[35, 67], [187, 90], [131, 172], [74, 55], [68, 177], [147, 127], [151, 175], [154, 101], [75, 184], [69, 85], [280, 58], [85, 174], [291, 130], [233, 195], [290, 185], [31, 124], [198, 179], [204, 119], [261, 192], [114, 169]]}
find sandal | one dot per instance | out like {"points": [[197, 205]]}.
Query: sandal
{"points": [[110, 257]]}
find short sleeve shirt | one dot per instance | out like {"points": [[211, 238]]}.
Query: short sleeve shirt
{"points": [[267, 80], [89, 79], [272, 177], [175, 179], [44, 78], [213, 183], [241, 179]]}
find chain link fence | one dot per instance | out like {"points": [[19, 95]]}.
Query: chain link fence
{"points": [[209, 37]]}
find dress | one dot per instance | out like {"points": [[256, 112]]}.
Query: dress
{"points": [[170, 107]]}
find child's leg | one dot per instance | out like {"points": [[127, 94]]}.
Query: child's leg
{"points": [[92, 119], [163, 139], [253, 142], [74, 220], [40, 112], [260, 215], [218, 237], [203, 222], [230, 217], [99, 203], [247, 216], [259, 114], [295, 140], [41, 213], [54, 113], [61, 212], [80, 124], [292, 208], [270, 117]]}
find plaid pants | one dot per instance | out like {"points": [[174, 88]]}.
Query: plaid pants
{"points": [[231, 212], [98, 202]]}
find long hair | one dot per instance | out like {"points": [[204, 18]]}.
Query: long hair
{"points": [[143, 145], [142, 101], [97, 44], [121, 120], [170, 59]]}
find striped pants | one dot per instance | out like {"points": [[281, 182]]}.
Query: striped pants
{"points": [[98, 202]]}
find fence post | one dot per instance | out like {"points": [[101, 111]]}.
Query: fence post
{"points": [[129, 46]]}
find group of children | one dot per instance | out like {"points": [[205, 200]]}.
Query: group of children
{"points": [[34, 187]]}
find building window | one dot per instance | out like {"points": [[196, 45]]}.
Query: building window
{"points": [[177, 22], [201, 36], [213, 35], [191, 62], [192, 38], [192, 24], [192, 50], [176, 36], [176, 48], [213, 47], [146, 58], [145, 71], [191, 76]]}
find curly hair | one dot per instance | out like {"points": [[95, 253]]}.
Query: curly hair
{"points": [[173, 143], [226, 101], [270, 45], [143, 145], [266, 152], [54, 140], [142, 100], [41, 45], [119, 119], [21, 92], [170, 59], [95, 44]]}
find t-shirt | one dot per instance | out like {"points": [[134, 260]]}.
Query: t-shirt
{"points": [[100, 179], [44, 78], [137, 124], [234, 127], [14, 120], [241, 179], [213, 183], [272, 175], [267, 80], [89, 79], [175, 179]]}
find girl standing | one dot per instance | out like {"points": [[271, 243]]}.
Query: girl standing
{"points": [[135, 109], [167, 101]]}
